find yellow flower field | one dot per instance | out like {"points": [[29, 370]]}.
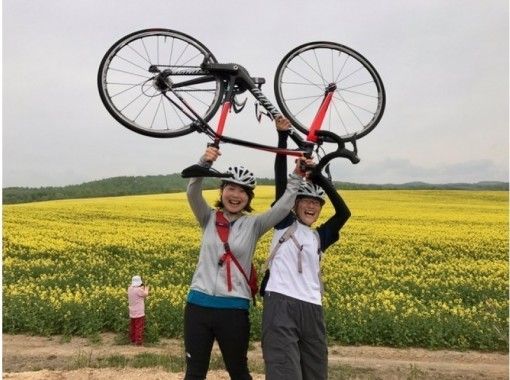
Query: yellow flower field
{"points": [[412, 268]]}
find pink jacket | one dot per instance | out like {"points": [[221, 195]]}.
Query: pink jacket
{"points": [[136, 296]]}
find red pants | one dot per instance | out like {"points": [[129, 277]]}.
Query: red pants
{"points": [[136, 330]]}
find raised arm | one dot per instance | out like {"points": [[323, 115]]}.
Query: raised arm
{"points": [[280, 168], [280, 162], [329, 231], [285, 203], [198, 205]]}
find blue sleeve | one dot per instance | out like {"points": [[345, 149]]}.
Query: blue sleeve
{"points": [[328, 235], [286, 222]]}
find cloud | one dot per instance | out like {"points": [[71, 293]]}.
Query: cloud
{"points": [[401, 170]]}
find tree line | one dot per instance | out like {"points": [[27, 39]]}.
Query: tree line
{"points": [[173, 183]]}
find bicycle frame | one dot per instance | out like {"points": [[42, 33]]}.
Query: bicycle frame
{"points": [[236, 79]]}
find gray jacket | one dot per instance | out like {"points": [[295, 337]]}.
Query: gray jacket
{"points": [[211, 278]]}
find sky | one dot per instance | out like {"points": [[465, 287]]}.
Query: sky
{"points": [[444, 65]]}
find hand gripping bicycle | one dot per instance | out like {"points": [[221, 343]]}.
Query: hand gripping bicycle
{"points": [[164, 83]]}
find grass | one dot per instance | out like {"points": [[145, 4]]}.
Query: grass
{"points": [[171, 363], [175, 363], [115, 361]]}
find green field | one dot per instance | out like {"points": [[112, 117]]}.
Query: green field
{"points": [[412, 268]]}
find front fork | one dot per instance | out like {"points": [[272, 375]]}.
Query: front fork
{"points": [[319, 117]]}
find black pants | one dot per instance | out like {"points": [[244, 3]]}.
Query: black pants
{"points": [[231, 329]]}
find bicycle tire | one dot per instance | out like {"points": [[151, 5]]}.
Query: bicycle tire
{"points": [[302, 77], [128, 90]]}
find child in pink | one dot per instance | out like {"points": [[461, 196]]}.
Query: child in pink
{"points": [[136, 298]]}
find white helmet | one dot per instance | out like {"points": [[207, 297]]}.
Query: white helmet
{"points": [[311, 190], [241, 176]]}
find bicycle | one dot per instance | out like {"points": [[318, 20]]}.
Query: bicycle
{"points": [[164, 83]]}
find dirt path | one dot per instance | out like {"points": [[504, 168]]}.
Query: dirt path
{"points": [[28, 357]]}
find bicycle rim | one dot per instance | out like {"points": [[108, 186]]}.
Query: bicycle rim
{"points": [[130, 93], [301, 80]]}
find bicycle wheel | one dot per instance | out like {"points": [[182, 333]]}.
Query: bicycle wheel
{"points": [[303, 76], [141, 74]]}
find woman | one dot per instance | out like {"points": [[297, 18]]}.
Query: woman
{"points": [[137, 292], [293, 330], [219, 298]]}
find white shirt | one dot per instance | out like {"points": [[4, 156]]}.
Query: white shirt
{"points": [[284, 275]]}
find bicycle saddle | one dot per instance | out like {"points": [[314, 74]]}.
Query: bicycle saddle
{"points": [[196, 170]]}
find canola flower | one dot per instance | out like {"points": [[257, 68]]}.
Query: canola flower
{"points": [[412, 268]]}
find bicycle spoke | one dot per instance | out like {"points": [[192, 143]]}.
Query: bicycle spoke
{"points": [[354, 105], [332, 67], [137, 53], [354, 72], [301, 83], [157, 109], [146, 52], [127, 105], [171, 52], [130, 73], [340, 118], [127, 89], [309, 81], [144, 69], [319, 67], [158, 51], [197, 99], [175, 109], [191, 59], [342, 68], [349, 107], [195, 90], [178, 59], [310, 66], [305, 107], [329, 120], [358, 93], [164, 112], [357, 85], [305, 97], [139, 113]]}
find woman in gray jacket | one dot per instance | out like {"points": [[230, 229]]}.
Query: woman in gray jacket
{"points": [[219, 297]]}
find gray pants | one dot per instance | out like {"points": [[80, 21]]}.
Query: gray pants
{"points": [[293, 339]]}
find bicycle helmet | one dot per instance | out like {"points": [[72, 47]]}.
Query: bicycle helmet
{"points": [[310, 190], [241, 176]]}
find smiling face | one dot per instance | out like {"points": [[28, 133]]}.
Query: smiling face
{"points": [[234, 198], [307, 210]]}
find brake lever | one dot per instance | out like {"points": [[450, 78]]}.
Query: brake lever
{"points": [[258, 114]]}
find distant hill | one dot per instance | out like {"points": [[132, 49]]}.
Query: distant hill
{"points": [[109, 187], [172, 183], [482, 185]]}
